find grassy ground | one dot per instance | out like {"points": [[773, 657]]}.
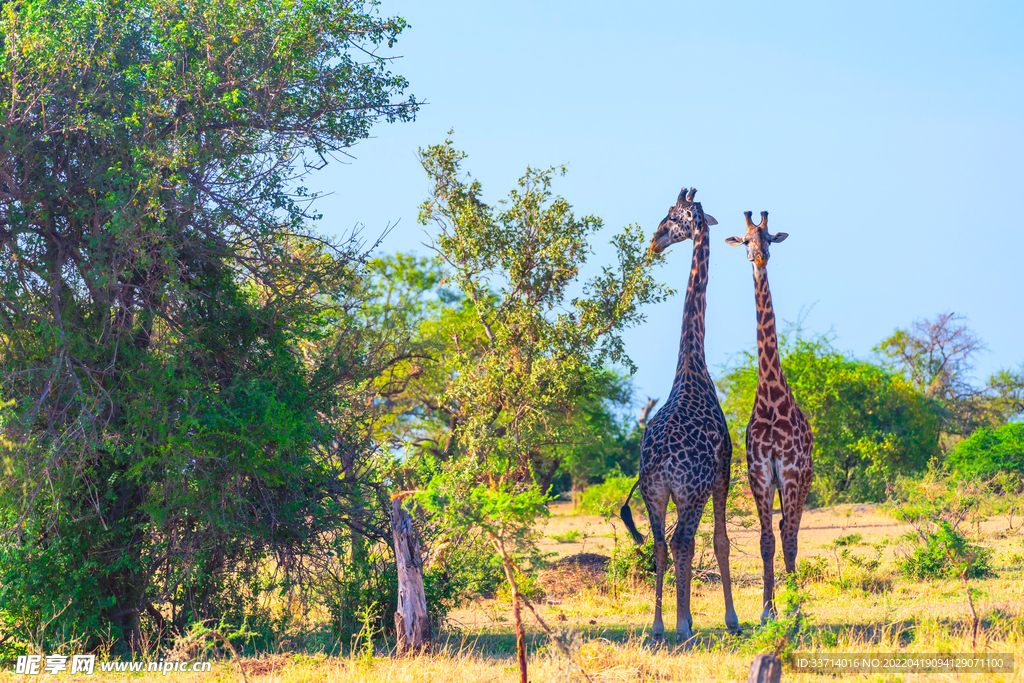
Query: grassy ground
{"points": [[848, 609]]}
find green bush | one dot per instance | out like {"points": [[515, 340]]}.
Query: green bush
{"points": [[848, 539], [529, 587], [473, 569], [49, 599], [944, 553], [990, 452], [944, 494], [570, 536], [634, 564], [812, 569], [609, 494]]}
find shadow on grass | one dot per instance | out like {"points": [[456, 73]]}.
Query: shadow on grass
{"points": [[498, 641]]}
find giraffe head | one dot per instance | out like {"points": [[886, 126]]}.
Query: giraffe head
{"points": [[682, 222], [757, 240]]}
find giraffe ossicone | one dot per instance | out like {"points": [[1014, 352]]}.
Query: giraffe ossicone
{"points": [[779, 438], [686, 450]]}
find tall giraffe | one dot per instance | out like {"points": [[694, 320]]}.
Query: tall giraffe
{"points": [[779, 439], [686, 450]]}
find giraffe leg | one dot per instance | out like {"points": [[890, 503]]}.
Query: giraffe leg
{"points": [[682, 553], [764, 513], [789, 526], [722, 549], [759, 475], [657, 507]]}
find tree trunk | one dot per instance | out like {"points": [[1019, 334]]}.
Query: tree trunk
{"points": [[578, 487], [645, 414], [516, 617], [411, 623], [765, 669]]}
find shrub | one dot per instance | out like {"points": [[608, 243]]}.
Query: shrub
{"points": [[812, 570], [780, 634], [848, 539], [529, 587], [938, 495], [1015, 558], [570, 536], [865, 582], [612, 492], [635, 564], [945, 553]]}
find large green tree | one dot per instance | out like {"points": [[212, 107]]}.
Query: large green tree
{"points": [[179, 346], [869, 424]]}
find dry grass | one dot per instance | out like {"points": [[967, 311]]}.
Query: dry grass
{"points": [[856, 616], [604, 659]]}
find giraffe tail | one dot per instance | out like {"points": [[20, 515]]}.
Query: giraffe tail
{"points": [[627, 517]]}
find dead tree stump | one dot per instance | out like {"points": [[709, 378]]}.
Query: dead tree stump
{"points": [[411, 622], [765, 669]]}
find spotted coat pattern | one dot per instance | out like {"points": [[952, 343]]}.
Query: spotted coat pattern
{"points": [[686, 449], [779, 439]]}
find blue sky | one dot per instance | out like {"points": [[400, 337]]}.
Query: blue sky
{"points": [[886, 138]]}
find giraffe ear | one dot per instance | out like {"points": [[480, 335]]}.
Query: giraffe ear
{"points": [[779, 236], [710, 219], [733, 241]]}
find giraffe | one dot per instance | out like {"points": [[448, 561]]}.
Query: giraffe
{"points": [[686, 449], [779, 439]]}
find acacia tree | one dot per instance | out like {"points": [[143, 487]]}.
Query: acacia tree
{"points": [[526, 355], [529, 352], [176, 340], [938, 357]]}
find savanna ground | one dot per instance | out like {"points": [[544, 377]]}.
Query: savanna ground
{"points": [[849, 607]]}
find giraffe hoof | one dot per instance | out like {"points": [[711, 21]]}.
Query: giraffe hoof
{"points": [[684, 641]]}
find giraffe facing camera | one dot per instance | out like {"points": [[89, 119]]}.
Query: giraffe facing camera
{"points": [[779, 438], [757, 239]]}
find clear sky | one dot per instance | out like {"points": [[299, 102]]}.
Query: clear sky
{"points": [[887, 139]]}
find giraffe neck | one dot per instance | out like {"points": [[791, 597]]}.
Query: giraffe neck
{"points": [[691, 345], [768, 364]]}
